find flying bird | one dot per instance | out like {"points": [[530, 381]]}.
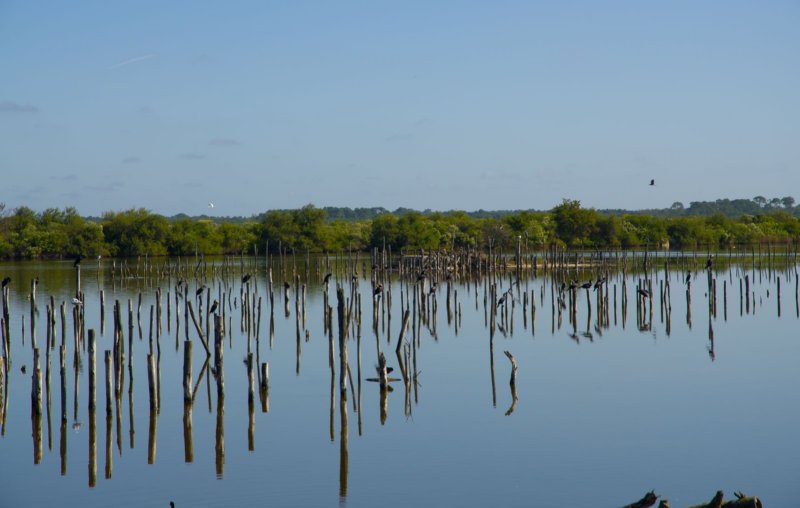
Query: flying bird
{"points": [[652, 182], [210, 204]]}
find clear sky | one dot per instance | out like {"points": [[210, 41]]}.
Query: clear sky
{"points": [[170, 105]]}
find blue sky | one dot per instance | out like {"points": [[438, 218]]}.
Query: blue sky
{"points": [[441, 105]]}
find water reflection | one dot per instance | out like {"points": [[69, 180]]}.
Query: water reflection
{"points": [[511, 303]]}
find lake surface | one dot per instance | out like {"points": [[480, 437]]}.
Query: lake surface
{"points": [[607, 407]]}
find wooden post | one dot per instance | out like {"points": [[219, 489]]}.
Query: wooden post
{"points": [[151, 382], [109, 383], [92, 371], [187, 371]]}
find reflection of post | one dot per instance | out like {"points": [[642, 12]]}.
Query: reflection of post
{"points": [[36, 425], [63, 447], [92, 449], [711, 353], [250, 404], [512, 383], [151, 436], [343, 451], [491, 368], [219, 445], [109, 434], [188, 442]]}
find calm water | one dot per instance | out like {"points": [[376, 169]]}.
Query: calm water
{"points": [[604, 413]]}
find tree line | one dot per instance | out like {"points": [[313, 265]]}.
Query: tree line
{"points": [[56, 233]]}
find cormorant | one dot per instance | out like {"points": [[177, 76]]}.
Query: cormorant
{"points": [[652, 181], [200, 290], [246, 278], [213, 307], [688, 277], [327, 278], [642, 292], [286, 285], [6, 280], [78, 260], [377, 290], [586, 285], [709, 264]]}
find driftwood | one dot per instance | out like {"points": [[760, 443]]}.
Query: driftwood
{"points": [[648, 500], [741, 501], [716, 501]]}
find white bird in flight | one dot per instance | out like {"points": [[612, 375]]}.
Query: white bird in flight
{"points": [[210, 204]]}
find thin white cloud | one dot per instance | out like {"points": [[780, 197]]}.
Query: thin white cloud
{"points": [[130, 61]]}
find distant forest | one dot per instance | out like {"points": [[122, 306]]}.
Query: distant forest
{"points": [[56, 233]]}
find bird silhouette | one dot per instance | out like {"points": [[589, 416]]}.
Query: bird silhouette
{"points": [[642, 292], [6, 281], [286, 285], [200, 290], [688, 277], [326, 279], [377, 290], [709, 264], [586, 285], [652, 182], [246, 278], [213, 307], [78, 260]]}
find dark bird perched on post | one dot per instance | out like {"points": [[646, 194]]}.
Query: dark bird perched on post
{"points": [[200, 290], [433, 288], [246, 278], [709, 264], [6, 280], [688, 277], [572, 285], [502, 299], [586, 285], [642, 292], [421, 276], [600, 282], [377, 290], [213, 307], [78, 260], [286, 285], [326, 279], [648, 500]]}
